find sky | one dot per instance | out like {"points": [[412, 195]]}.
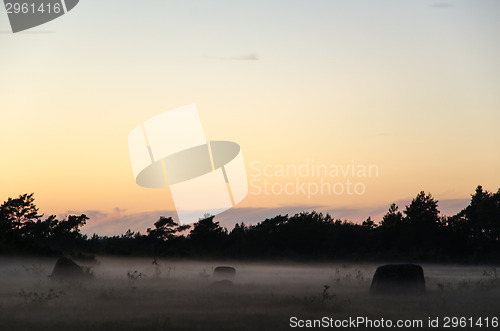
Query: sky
{"points": [[409, 89]]}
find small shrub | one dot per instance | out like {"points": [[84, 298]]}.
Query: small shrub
{"points": [[133, 276], [325, 295], [320, 300], [40, 298], [157, 267], [359, 275]]}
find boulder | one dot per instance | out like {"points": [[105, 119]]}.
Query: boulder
{"points": [[398, 279], [225, 272], [67, 269]]}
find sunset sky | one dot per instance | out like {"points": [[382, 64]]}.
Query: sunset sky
{"points": [[411, 87]]}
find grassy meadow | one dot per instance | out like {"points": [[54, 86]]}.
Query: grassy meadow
{"points": [[137, 294]]}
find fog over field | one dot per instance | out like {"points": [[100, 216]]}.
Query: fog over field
{"points": [[135, 293]]}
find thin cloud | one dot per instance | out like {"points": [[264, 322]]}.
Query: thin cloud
{"points": [[242, 57], [118, 223], [247, 57], [93, 214], [443, 5], [99, 216]]}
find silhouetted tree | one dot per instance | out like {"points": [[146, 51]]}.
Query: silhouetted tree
{"points": [[393, 217], [21, 226], [368, 223], [422, 231], [483, 215], [41, 230], [473, 234], [166, 228], [16, 211], [127, 235], [423, 211], [208, 235], [239, 230]]}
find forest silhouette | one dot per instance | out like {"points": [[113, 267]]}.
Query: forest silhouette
{"points": [[418, 233]]}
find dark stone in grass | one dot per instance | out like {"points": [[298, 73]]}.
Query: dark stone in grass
{"points": [[67, 269], [398, 279], [225, 272]]}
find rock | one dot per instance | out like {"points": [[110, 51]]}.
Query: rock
{"points": [[225, 272], [67, 269], [397, 279]]}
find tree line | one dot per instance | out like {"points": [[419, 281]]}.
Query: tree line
{"points": [[419, 232]]}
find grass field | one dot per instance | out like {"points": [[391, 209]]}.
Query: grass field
{"points": [[135, 294]]}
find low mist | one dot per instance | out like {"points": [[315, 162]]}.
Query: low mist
{"points": [[160, 294]]}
